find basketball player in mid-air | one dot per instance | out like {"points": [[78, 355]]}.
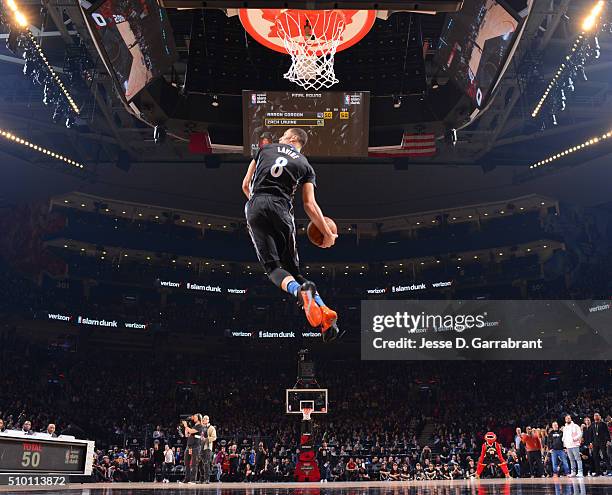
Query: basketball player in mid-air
{"points": [[269, 185]]}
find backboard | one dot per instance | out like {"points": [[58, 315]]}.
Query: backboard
{"points": [[298, 398]]}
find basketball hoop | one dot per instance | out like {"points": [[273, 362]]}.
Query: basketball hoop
{"points": [[311, 37], [306, 412]]}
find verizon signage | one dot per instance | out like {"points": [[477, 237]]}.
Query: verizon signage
{"points": [[273, 334], [171, 284], [94, 322], [410, 288]]}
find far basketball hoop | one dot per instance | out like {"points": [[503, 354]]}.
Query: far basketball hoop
{"points": [[306, 412], [311, 37]]}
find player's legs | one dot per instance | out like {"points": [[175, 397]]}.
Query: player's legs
{"points": [[271, 231], [309, 294]]}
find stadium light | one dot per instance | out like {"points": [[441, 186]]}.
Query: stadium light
{"points": [[591, 20], [585, 47], [572, 149], [21, 19], [9, 136], [54, 75]]}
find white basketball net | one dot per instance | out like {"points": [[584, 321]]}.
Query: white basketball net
{"points": [[306, 412], [311, 38]]}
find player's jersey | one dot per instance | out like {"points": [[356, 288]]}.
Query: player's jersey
{"points": [[280, 169]]}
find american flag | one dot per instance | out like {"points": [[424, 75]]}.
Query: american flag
{"points": [[419, 145], [414, 145]]}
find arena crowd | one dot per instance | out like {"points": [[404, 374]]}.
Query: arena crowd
{"points": [[387, 421]]}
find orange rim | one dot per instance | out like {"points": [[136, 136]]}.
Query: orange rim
{"points": [[265, 40]]}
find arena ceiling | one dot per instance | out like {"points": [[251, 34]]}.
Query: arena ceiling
{"points": [[488, 162]]}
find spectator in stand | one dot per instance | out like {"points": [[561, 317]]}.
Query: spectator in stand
{"points": [[430, 470], [260, 460], [533, 445], [385, 469], [471, 469], [599, 442], [425, 454], [98, 473], [288, 470], [419, 474], [446, 473], [351, 470], [158, 434], [572, 436], [249, 475], [514, 466], [362, 471], [234, 462], [2, 427], [323, 456], [394, 472], [219, 462]]}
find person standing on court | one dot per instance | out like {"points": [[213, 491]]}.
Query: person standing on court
{"points": [[555, 444], [209, 435], [587, 446], [600, 440], [534, 451], [269, 185], [572, 437], [192, 450]]}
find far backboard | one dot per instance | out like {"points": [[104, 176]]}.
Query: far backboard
{"points": [[298, 398]]}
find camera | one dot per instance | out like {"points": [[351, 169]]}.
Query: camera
{"points": [[180, 428]]}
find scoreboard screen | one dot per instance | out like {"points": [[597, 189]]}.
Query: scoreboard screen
{"points": [[337, 123], [25, 455]]}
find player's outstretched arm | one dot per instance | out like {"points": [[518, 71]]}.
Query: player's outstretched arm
{"points": [[315, 214], [246, 182]]}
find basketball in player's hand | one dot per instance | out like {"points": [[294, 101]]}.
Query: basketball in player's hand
{"points": [[315, 235]]}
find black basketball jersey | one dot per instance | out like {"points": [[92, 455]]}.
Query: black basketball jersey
{"points": [[280, 169]]}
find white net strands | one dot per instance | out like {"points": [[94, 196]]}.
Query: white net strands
{"points": [[311, 38]]}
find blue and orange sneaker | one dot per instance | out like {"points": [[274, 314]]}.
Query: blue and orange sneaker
{"points": [[306, 301], [329, 325]]}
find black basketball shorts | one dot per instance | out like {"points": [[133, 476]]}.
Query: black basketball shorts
{"points": [[272, 229]]}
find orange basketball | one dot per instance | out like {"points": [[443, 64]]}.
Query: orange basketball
{"points": [[315, 235]]}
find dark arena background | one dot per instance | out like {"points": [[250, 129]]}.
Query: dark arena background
{"points": [[463, 149]]}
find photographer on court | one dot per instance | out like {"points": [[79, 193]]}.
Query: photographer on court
{"points": [[194, 444]]}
